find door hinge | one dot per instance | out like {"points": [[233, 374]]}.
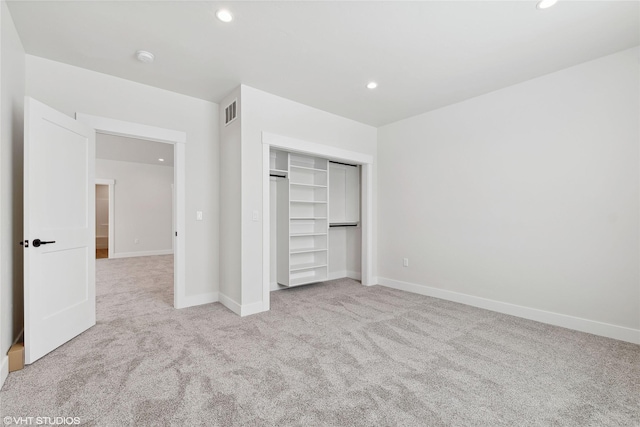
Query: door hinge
{"points": [[25, 243]]}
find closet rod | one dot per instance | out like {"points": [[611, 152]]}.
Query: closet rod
{"points": [[277, 176], [340, 163], [343, 225]]}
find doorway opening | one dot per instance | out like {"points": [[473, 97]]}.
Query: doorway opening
{"points": [[140, 221], [102, 221], [175, 142]]}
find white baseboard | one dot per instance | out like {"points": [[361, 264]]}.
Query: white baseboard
{"points": [[249, 309], [4, 365], [4, 370], [241, 310], [275, 287], [342, 274], [332, 276], [355, 275], [200, 299], [570, 322], [141, 253], [229, 303]]}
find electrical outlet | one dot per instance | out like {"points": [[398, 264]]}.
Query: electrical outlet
{"points": [[136, 240], [405, 262]]}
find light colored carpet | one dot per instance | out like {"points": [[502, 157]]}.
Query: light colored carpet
{"points": [[335, 353]]}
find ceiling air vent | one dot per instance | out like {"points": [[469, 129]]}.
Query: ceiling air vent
{"points": [[230, 113]]}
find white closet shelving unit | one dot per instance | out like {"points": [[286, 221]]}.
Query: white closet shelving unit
{"points": [[303, 223]]}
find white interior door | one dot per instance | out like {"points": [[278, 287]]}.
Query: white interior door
{"points": [[59, 229]]}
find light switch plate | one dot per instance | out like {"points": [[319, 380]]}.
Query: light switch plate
{"points": [[198, 215]]}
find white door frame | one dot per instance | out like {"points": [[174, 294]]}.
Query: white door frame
{"points": [[179, 140], [293, 145], [111, 211]]}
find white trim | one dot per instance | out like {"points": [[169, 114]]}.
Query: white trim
{"points": [[178, 139], [229, 303], [4, 365], [570, 322], [141, 253], [128, 129], [276, 287], [333, 275], [249, 309], [111, 244], [367, 224], [180, 234], [200, 299], [355, 275], [103, 181], [241, 310], [4, 370], [294, 145], [266, 233]]}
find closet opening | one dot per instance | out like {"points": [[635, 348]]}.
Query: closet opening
{"points": [[317, 222]]}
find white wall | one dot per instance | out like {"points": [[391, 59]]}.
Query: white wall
{"points": [[264, 112], [345, 252], [230, 202], [143, 197], [12, 86], [528, 195], [72, 89]]}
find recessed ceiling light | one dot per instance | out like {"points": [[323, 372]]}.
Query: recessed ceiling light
{"points": [[545, 4], [161, 160], [144, 56], [372, 85], [224, 15]]}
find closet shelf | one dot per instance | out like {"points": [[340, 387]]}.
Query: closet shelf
{"points": [[307, 168], [309, 266], [306, 251], [306, 280], [302, 218], [296, 218], [300, 184], [279, 173], [308, 201]]}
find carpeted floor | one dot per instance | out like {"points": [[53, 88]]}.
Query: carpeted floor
{"points": [[335, 354]]}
